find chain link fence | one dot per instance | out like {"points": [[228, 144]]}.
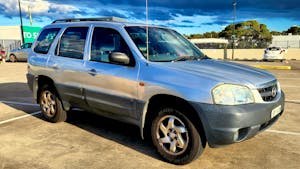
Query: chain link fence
{"points": [[8, 45], [287, 44]]}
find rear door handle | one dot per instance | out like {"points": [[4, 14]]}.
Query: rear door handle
{"points": [[92, 72], [55, 66]]}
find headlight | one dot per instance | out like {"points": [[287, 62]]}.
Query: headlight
{"points": [[228, 94]]}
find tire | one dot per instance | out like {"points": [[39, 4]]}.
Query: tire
{"points": [[176, 138], [12, 58], [51, 105]]}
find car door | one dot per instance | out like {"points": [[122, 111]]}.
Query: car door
{"points": [[110, 88], [18, 52], [24, 51], [68, 65]]}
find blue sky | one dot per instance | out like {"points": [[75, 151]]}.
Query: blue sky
{"points": [[192, 16]]}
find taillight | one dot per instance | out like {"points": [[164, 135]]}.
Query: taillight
{"points": [[281, 51]]}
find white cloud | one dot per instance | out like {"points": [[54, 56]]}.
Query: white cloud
{"points": [[44, 7]]}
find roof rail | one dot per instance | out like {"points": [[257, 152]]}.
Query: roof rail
{"points": [[108, 19]]}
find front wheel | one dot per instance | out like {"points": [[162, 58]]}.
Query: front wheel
{"points": [[12, 58], [51, 105], [175, 137]]}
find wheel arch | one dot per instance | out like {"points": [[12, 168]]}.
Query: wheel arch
{"points": [[160, 100], [42, 80]]}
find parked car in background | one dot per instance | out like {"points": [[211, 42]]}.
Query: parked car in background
{"points": [[20, 54], [274, 53], [2, 54]]}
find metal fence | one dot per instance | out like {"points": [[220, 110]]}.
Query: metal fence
{"points": [[240, 44], [287, 44], [8, 45]]}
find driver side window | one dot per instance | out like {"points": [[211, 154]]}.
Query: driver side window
{"points": [[104, 42]]}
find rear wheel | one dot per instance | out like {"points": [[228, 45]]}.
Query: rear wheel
{"points": [[51, 105], [176, 138], [12, 58]]}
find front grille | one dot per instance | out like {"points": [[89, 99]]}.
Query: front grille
{"points": [[269, 93]]}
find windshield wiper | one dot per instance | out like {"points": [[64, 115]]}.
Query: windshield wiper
{"points": [[184, 58], [205, 57]]}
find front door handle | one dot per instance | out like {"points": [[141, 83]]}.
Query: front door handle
{"points": [[54, 66], [93, 72]]}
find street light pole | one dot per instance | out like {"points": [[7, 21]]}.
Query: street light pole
{"points": [[233, 31], [20, 13]]}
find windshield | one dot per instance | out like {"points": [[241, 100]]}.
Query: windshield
{"points": [[165, 45]]}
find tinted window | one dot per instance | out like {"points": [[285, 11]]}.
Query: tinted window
{"points": [[164, 45], [45, 40], [26, 45], [72, 42], [106, 41]]}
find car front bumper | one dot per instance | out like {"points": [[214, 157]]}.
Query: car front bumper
{"points": [[230, 124]]}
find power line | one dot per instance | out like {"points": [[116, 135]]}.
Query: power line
{"points": [[20, 13]]}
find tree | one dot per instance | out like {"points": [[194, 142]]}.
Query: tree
{"points": [[212, 34], [249, 34], [294, 30], [276, 33]]}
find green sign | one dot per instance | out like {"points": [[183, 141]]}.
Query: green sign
{"points": [[30, 33]]}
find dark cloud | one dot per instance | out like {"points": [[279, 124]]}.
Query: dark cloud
{"points": [[181, 25], [162, 11]]}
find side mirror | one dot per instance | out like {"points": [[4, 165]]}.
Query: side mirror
{"points": [[119, 58]]}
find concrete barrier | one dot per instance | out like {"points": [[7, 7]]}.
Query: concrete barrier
{"points": [[248, 54]]}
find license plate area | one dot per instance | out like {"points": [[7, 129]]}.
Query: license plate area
{"points": [[276, 111]]}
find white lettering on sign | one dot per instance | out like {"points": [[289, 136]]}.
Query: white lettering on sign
{"points": [[30, 35]]}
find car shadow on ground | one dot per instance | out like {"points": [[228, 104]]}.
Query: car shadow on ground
{"points": [[122, 133]]}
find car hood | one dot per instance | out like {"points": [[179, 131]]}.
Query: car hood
{"points": [[223, 72]]}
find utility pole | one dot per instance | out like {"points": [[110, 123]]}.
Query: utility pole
{"points": [[20, 13], [233, 31]]}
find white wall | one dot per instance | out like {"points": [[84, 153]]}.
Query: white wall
{"points": [[10, 33], [286, 41]]}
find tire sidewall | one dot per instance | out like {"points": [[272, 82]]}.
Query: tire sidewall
{"points": [[12, 58], [194, 148], [60, 114]]}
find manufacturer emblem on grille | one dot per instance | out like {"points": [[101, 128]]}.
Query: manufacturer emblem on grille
{"points": [[274, 91]]}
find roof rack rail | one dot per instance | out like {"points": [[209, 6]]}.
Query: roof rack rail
{"points": [[108, 19]]}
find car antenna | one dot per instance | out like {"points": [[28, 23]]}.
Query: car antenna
{"points": [[147, 32]]}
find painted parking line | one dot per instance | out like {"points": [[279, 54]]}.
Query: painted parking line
{"points": [[283, 86], [288, 78], [19, 103], [273, 67], [20, 117], [39, 112], [292, 101], [283, 132]]}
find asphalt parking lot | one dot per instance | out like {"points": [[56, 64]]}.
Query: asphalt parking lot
{"points": [[90, 141]]}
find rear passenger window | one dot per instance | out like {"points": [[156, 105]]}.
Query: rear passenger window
{"points": [[45, 40], [72, 42], [106, 41]]}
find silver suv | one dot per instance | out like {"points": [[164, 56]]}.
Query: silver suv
{"points": [[161, 83]]}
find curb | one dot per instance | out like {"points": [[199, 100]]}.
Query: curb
{"points": [[273, 67]]}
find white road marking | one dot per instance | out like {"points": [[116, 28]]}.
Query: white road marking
{"points": [[294, 101], [283, 86], [291, 78], [284, 132], [20, 117], [39, 112], [19, 103]]}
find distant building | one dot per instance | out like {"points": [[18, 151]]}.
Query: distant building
{"points": [[286, 41], [10, 36], [210, 43]]}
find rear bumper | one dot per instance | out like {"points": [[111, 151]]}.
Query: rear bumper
{"points": [[30, 80], [230, 124]]}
